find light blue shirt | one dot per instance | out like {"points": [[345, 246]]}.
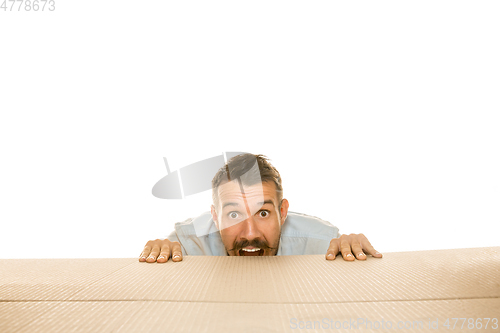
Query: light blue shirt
{"points": [[300, 234]]}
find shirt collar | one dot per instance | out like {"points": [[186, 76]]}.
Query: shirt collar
{"points": [[279, 248]]}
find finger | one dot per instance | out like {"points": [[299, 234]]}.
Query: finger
{"points": [[145, 252], [165, 251], [155, 251], [369, 248], [357, 250], [333, 249], [164, 254], [345, 248], [176, 251]]}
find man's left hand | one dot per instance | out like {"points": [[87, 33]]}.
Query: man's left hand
{"points": [[350, 247]]}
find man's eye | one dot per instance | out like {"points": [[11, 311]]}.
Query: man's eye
{"points": [[264, 213], [233, 215]]}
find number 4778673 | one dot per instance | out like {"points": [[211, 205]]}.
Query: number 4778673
{"points": [[28, 5]]}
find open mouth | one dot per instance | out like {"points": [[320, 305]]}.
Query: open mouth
{"points": [[252, 252]]}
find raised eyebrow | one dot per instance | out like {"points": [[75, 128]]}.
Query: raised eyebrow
{"points": [[230, 204], [266, 202]]}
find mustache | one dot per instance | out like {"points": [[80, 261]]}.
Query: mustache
{"points": [[255, 243]]}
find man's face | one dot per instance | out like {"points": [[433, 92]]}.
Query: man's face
{"points": [[249, 219]]}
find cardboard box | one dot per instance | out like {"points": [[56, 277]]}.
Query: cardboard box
{"points": [[402, 292]]}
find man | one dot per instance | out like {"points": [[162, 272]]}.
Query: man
{"points": [[250, 217]]}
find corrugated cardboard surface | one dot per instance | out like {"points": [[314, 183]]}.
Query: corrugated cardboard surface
{"points": [[415, 291]]}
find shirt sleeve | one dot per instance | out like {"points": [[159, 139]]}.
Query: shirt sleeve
{"points": [[173, 238]]}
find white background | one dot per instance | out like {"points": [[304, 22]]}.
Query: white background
{"points": [[381, 116]]}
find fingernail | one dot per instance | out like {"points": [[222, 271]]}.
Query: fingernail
{"points": [[143, 258], [348, 255], [176, 256], [330, 256], [361, 254], [160, 257]]}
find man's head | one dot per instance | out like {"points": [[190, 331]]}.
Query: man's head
{"points": [[248, 206]]}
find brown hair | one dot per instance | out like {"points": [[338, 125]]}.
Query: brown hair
{"points": [[243, 165]]}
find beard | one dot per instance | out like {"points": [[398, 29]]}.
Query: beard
{"points": [[264, 248]]}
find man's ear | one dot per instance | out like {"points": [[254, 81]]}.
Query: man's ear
{"points": [[214, 216], [284, 210]]}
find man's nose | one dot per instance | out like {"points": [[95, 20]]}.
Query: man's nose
{"points": [[250, 229]]}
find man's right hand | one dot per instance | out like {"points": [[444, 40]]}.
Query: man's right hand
{"points": [[160, 251]]}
